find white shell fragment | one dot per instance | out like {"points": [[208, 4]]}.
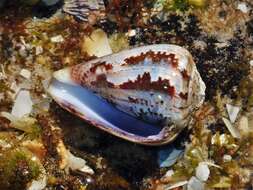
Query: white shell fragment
{"points": [[69, 161], [234, 132], [202, 171], [97, 44], [148, 94], [23, 104], [175, 185], [57, 39], [227, 158], [232, 112], [195, 184], [168, 156], [25, 73], [169, 173], [76, 163], [39, 184], [242, 6]]}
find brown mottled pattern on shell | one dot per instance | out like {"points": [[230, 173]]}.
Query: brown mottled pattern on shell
{"points": [[144, 83], [76, 75], [103, 64], [79, 75], [185, 74], [183, 95], [156, 57], [101, 81]]}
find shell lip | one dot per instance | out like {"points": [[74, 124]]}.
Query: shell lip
{"points": [[80, 102]]}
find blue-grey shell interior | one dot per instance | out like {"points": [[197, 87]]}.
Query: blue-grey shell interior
{"points": [[101, 111]]}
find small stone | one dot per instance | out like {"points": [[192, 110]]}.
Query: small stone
{"points": [[202, 171], [25, 73], [77, 163], [195, 184], [57, 39]]}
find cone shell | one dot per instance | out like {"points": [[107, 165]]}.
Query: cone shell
{"points": [[156, 87]]}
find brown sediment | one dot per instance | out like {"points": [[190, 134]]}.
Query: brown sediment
{"points": [[50, 137], [76, 74], [155, 57]]}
